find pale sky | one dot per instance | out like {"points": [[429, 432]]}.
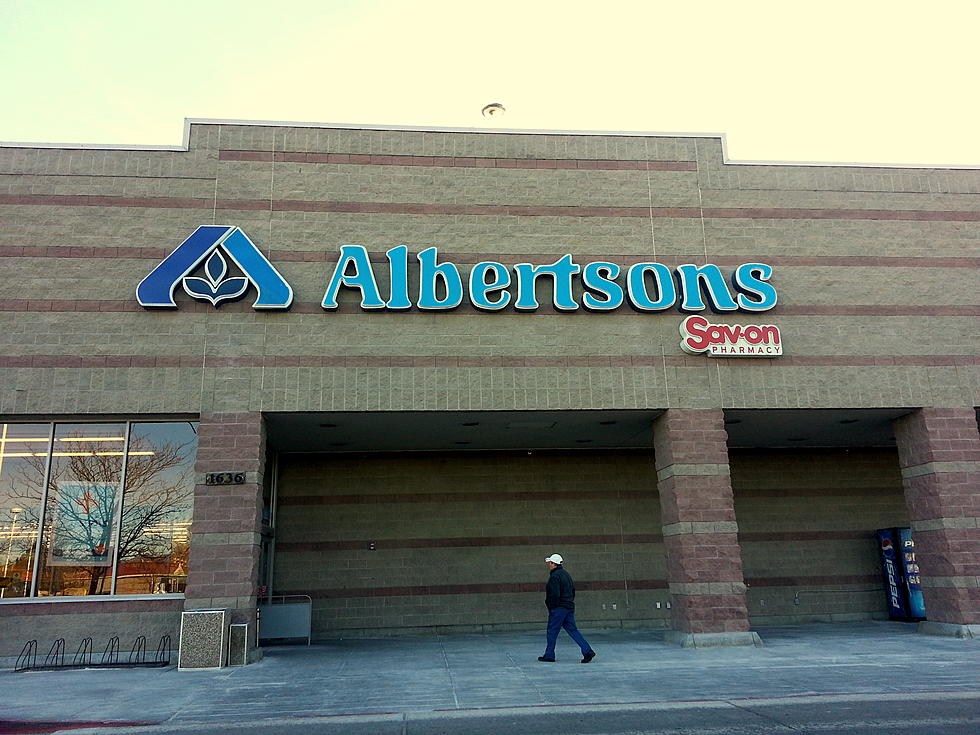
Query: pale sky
{"points": [[859, 81]]}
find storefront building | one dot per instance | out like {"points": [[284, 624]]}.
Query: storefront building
{"points": [[393, 369]]}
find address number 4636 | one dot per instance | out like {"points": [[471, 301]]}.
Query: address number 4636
{"points": [[224, 478]]}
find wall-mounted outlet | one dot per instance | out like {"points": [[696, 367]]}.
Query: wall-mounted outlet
{"points": [[603, 606], [659, 605], [668, 604], [614, 606], [762, 603]]}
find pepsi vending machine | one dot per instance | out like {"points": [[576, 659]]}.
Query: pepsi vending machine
{"points": [[901, 570], [910, 574]]}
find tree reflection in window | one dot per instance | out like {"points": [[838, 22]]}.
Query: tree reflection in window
{"points": [[83, 528], [20, 503], [157, 508]]}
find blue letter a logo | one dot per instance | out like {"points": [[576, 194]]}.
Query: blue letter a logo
{"points": [[208, 242]]}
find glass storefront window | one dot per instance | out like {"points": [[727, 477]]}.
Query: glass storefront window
{"points": [[112, 502], [23, 461], [77, 546], [157, 505]]}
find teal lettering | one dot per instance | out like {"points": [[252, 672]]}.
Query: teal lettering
{"points": [[433, 273], [692, 276], [561, 271], [362, 279]]}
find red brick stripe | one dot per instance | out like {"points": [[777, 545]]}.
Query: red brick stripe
{"points": [[295, 205], [506, 210], [472, 589], [313, 307], [845, 261], [65, 361], [10, 608], [869, 310], [71, 251], [86, 306], [763, 537], [818, 492], [458, 161], [916, 215], [397, 361], [484, 497], [467, 542], [818, 581], [564, 541], [324, 256], [44, 726], [496, 210], [879, 360], [86, 200], [585, 585]]}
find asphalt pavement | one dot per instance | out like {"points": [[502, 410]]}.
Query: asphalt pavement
{"points": [[866, 677]]}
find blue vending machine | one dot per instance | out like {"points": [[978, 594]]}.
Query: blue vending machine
{"points": [[910, 575], [897, 608], [901, 571]]}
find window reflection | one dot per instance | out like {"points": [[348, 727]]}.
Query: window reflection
{"points": [[80, 516], [23, 455], [117, 513], [157, 506]]}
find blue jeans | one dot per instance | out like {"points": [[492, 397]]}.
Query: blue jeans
{"points": [[560, 618]]}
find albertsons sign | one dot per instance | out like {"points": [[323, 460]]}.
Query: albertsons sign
{"points": [[442, 285], [199, 265]]}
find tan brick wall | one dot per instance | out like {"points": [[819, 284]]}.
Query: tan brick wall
{"points": [[223, 568], [704, 562], [843, 265], [875, 270], [76, 620], [460, 540], [939, 452], [806, 522]]}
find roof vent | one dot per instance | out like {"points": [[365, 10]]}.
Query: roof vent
{"points": [[494, 109]]}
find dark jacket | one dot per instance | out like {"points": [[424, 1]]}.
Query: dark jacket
{"points": [[560, 591]]}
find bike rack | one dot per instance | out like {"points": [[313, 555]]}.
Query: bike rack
{"points": [[163, 651], [55, 660], [138, 653], [111, 654], [28, 657], [83, 656], [56, 656]]}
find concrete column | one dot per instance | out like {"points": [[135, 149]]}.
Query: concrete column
{"points": [[704, 559], [939, 454], [225, 550]]}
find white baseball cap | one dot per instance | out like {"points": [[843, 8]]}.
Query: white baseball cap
{"points": [[555, 558]]}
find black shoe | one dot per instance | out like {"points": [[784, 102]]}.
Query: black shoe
{"points": [[588, 657], [548, 660]]}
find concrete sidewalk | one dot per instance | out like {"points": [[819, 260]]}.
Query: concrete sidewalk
{"points": [[500, 670]]}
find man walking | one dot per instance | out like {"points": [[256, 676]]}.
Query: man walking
{"points": [[560, 599]]}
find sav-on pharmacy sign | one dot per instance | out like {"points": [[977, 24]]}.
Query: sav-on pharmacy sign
{"points": [[489, 286]]}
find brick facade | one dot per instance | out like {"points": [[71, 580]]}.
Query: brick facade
{"points": [[223, 571], [79, 229], [394, 544], [704, 561], [939, 450], [806, 527], [97, 619]]}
